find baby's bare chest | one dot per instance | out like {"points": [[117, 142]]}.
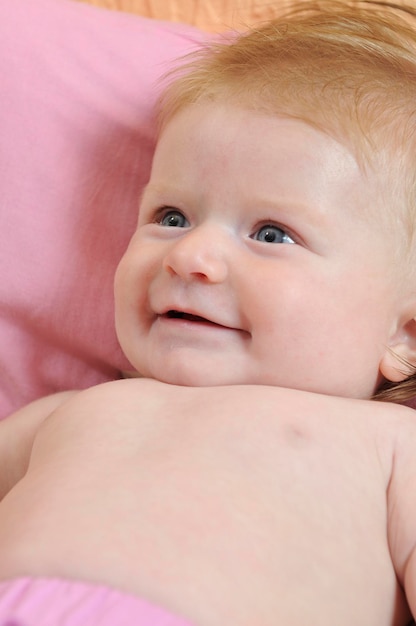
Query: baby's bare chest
{"points": [[290, 516]]}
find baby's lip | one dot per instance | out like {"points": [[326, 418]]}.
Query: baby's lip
{"points": [[190, 317], [197, 317]]}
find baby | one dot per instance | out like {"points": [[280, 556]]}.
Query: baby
{"points": [[268, 294]]}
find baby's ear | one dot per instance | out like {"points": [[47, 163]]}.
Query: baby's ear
{"points": [[399, 359]]}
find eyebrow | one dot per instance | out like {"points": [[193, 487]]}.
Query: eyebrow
{"points": [[159, 189], [171, 194], [315, 214]]}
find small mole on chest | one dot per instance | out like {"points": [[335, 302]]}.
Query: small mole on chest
{"points": [[296, 435]]}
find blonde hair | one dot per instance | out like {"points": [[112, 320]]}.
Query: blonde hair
{"points": [[347, 68]]}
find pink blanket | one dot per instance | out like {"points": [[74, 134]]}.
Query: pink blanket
{"points": [[54, 602]]}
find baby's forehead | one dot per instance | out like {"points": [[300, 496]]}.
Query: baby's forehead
{"points": [[197, 119], [284, 152]]}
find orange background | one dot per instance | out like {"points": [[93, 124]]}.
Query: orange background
{"points": [[211, 15]]}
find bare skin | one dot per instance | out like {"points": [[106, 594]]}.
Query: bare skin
{"points": [[231, 505]]}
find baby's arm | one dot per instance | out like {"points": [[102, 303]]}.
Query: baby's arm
{"points": [[17, 433], [402, 508], [410, 563]]}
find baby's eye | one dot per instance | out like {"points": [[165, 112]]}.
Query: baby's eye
{"points": [[272, 234], [172, 218]]}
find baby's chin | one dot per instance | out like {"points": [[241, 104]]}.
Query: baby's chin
{"points": [[194, 377], [191, 379]]}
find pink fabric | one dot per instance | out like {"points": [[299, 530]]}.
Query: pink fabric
{"points": [[78, 85], [55, 602]]}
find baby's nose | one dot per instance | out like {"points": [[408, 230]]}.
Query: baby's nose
{"points": [[199, 254]]}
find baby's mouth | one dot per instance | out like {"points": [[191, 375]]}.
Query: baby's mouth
{"points": [[197, 319], [172, 314]]}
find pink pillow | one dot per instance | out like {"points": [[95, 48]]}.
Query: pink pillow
{"points": [[78, 85]]}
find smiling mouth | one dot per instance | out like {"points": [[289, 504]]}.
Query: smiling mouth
{"points": [[188, 317], [197, 319]]}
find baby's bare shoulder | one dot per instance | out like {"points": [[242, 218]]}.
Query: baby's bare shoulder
{"points": [[17, 434], [401, 503]]}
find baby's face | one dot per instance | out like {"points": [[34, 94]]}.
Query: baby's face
{"points": [[258, 259]]}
